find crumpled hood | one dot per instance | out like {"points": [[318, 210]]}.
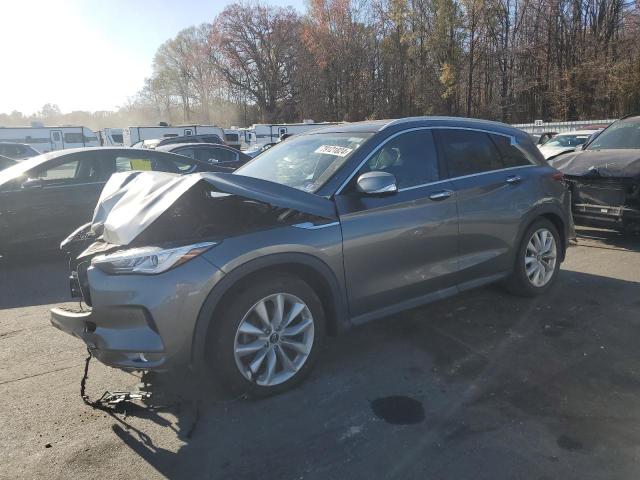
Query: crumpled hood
{"points": [[600, 163], [131, 201]]}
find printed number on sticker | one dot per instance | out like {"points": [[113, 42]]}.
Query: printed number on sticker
{"points": [[334, 150]]}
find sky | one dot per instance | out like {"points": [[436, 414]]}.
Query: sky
{"points": [[89, 54]]}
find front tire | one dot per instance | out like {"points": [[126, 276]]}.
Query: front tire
{"points": [[266, 339], [537, 260]]}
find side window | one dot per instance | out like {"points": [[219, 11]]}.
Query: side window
{"points": [[182, 165], [187, 152], [127, 164], [411, 157], [80, 170], [216, 155], [512, 156], [467, 152]]}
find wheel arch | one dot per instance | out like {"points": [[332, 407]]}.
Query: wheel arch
{"points": [[553, 214], [315, 272]]}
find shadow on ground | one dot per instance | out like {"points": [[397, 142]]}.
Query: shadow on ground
{"points": [[505, 386], [600, 238], [39, 279]]}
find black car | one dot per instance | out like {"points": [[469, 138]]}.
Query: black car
{"points": [[6, 162], [254, 152], [17, 151], [604, 177], [211, 154], [42, 199], [159, 142]]}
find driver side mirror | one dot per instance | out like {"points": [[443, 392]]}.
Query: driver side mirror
{"points": [[377, 183]]}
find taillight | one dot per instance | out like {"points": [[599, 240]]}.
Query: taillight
{"points": [[558, 176]]}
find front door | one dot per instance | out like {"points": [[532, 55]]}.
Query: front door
{"points": [[57, 142], [53, 202], [400, 247]]}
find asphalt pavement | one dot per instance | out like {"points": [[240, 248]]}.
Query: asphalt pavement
{"points": [[482, 386]]}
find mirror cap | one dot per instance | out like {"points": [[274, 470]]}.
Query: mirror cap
{"points": [[376, 183]]}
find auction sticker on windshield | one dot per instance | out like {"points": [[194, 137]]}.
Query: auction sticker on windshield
{"points": [[334, 150]]}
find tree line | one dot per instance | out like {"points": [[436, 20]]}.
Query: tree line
{"points": [[348, 60], [509, 60]]}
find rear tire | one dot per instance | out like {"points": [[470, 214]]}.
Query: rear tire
{"points": [[537, 260], [266, 338]]}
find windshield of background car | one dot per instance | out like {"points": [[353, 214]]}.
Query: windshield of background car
{"points": [[567, 140], [305, 162], [622, 134]]}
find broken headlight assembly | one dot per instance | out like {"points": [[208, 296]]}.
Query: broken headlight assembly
{"points": [[148, 260]]}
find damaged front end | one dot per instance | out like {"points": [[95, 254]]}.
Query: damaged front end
{"points": [[605, 187], [147, 240]]}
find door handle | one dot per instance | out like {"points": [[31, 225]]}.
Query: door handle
{"points": [[514, 179], [441, 195]]}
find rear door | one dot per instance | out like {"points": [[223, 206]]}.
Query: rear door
{"points": [[494, 189], [399, 247]]}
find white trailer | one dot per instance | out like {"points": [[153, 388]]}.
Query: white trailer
{"points": [[233, 137], [132, 135], [261, 133], [46, 139], [110, 137]]}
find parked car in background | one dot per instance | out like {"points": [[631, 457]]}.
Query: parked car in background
{"points": [[43, 198], [17, 151], [542, 138], [6, 162], [254, 152], [245, 273], [604, 177], [565, 142], [212, 154], [159, 142]]}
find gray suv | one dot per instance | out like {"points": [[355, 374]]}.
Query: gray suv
{"points": [[245, 273]]}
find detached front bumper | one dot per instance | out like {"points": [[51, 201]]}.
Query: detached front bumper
{"points": [[141, 322], [123, 337]]}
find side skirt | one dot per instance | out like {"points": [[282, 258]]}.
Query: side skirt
{"points": [[426, 299]]}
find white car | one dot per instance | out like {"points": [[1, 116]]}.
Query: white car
{"points": [[565, 142]]}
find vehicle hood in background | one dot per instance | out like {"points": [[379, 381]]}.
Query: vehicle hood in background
{"points": [[600, 163], [131, 201], [549, 152]]}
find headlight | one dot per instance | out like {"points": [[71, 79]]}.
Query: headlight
{"points": [[148, 260]]}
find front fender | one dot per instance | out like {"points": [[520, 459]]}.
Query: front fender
{"points": [[205, 317]]}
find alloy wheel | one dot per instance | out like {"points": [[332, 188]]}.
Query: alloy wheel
{"points": [[540, 257], [274, 339]]}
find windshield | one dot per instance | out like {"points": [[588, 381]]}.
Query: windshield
{"points": [[567, 140], [621, 134], [304, 162]]}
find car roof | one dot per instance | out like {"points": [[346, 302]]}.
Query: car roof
{"points": [[15, 143], [169, 146], [374, 126]]}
